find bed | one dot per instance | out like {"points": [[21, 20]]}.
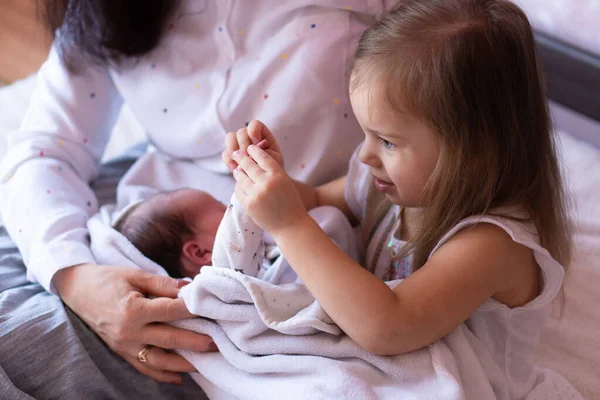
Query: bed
{"points": [[570, 344]]}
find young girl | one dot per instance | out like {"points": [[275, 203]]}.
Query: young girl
{"points": [[456, 186]]}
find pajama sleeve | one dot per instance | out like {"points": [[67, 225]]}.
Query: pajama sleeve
{"points": [[45, 198], [239, 243]]}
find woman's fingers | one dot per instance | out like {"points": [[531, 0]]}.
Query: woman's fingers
{"points": [[155, 285], [159, 359], [162, 309], [130, 351], [160, 374], [117, 309], [169, 337]]}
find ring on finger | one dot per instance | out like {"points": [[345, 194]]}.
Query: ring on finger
{"points": [[144, 352]]}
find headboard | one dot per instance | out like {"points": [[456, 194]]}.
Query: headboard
{"points": [[573, 75]]}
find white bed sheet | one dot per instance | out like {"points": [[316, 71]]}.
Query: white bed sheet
{"points": [[573, 21], [570, 345]]}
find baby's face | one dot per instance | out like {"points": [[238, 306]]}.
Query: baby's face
{"points": [[200, 212], [204, 211]]}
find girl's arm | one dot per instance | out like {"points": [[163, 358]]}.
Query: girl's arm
{"points": [[470, 268], [476, 264]]}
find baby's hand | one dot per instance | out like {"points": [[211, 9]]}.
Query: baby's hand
{"points": [[256, 133]]}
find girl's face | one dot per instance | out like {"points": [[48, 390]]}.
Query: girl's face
{"points": [[400, 150]]}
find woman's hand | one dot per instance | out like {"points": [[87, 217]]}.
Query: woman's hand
{"points": [[256, 133], [266, 192], [112, 301]]}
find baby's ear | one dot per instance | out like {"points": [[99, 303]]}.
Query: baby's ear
{"points": [[197, 254]]}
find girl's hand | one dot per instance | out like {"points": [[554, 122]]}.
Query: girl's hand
{"points": [[113, 301], [256, 133], [266, 192]]}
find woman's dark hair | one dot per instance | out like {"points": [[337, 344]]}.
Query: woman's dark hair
{"points": [[105, 32]]}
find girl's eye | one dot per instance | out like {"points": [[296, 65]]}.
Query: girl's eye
{"points": [[386, 144]]}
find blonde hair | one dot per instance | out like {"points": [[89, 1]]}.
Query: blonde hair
{"points": [[469, 69]]}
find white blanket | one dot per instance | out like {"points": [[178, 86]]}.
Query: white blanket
{"points": [[274, 338], [276, 341]]}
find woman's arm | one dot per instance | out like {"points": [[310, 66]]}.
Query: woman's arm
{"points": [[45, 200], [52, 157]]}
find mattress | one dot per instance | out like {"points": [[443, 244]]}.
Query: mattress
{"points": [[570, 344]]}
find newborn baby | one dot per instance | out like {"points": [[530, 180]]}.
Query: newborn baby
{"points": [[186, 229], [175, 229]]}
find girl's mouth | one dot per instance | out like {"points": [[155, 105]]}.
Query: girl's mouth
{"points": [[382, 185]]}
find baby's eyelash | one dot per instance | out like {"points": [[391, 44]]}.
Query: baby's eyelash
{"points": [[388, 145]]}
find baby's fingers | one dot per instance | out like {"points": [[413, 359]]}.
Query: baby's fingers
{"points": [[228, 160], [258, 131], [263, 144]]}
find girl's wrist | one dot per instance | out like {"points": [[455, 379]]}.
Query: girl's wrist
{"points": [[296, 227], [308, 194]]}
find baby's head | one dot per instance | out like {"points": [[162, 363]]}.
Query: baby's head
{"points": [[174, 229], [453, 103]]}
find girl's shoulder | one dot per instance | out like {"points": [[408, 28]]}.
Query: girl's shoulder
{"points": [[508, 235]]}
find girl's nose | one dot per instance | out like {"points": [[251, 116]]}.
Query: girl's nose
{"points": [[367, 155]]}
